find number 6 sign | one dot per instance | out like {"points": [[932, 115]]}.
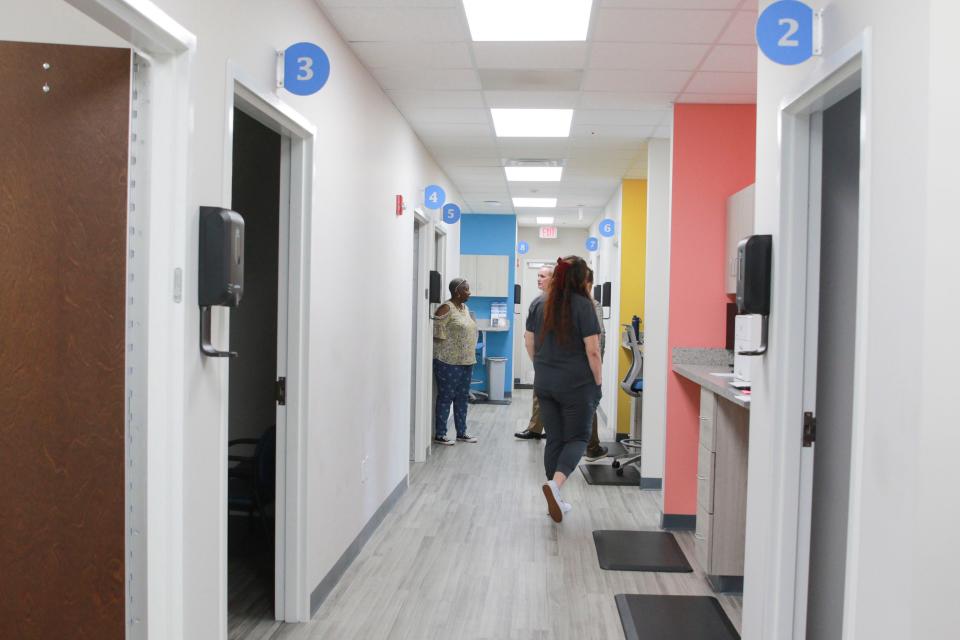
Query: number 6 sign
{"points": [[306, 68], [785, 32]]}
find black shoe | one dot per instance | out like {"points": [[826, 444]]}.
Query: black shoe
{"points": [[466, 438], [438, 440], [526, 434], [596, 454]]}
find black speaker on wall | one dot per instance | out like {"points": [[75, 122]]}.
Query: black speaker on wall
{"points": [[605, 298], [436, 287], [597, 292]]}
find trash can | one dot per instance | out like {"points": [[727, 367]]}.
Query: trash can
{"points": [[496, 372]]}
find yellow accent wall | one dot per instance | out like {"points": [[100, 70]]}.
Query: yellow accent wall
{"points": [[633, 275]]}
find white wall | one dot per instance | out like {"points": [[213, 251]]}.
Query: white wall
{"points": [[568, 242], [656, 308], [606, 268], [360, 256], [903, 569]]}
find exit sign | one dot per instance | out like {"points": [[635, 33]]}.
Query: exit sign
{"points": [[548, 233]]}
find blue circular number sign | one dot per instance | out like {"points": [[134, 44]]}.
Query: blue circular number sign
{"points": [[607, 228], [434, 197], [451, 213], [522, 247], [306, 68], [593, 243], [785, 32]]}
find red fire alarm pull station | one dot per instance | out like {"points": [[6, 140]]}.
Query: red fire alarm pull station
{"points": [[399, 205]]}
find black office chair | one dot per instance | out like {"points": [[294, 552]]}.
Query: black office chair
{"points": [[252, 479]]}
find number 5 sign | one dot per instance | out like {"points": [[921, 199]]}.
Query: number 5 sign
{"points": [[303, 68], [785, 32]]}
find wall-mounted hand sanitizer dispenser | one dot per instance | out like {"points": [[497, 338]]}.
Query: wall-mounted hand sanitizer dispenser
{"points": [[220, 268], [753, 293]]}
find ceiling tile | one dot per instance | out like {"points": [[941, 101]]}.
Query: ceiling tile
{"points": [[659, 25], [720, 82], [395, 24], [742, 29], [625, 100], [530, 55], [643, 80], [454, 129], [407, 99], [616, 131], [731, 58], [619, 117], [647, 55], [389, 3], [530, 148], [427, 79], [394, 55], [531, 99], [435, 116], [718, 98], [530, 79], [669, 4]]}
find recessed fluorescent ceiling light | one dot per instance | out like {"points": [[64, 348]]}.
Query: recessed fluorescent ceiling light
{"points": [[544, 219], [545, 203], [533, 174], [528, 20], [532, 123]]}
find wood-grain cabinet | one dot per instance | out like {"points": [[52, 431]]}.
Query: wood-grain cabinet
{"points": [[722, 491], [740, 213], [489, 276]]}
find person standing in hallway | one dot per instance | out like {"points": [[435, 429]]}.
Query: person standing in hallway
{"points": [[454, 354], [563, 339], [594, 450], [534, 430]]}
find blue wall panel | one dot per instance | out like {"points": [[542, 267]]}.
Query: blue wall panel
{"points": [[492, 235]]}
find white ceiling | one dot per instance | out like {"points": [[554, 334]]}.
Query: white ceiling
{"points": [[640, 57]]}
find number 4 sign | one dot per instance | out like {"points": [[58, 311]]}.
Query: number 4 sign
{"points": [[788, 32], [303, 68]]}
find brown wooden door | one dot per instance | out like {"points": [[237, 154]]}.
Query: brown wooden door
{"points": [[63, 199]]}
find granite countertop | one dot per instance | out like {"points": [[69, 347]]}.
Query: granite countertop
{"points": [[701, 375]]}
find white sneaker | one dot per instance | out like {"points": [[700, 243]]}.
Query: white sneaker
{"points": [[554, 501], [565, 506]]}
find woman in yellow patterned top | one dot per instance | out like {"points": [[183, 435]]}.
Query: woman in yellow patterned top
{"points": [[454, 354]]}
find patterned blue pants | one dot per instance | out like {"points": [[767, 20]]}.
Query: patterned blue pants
{"points": [[453, 386]]}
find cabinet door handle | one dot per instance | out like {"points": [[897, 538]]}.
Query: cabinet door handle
{"points": [[699, 477], [700, 537]]}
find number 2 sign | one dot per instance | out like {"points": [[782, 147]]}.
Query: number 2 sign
{"points": [[785, 32], [306, 68]]}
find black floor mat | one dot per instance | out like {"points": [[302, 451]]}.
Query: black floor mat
{"points": [[675, 617], [607, 475], [640, 551]]}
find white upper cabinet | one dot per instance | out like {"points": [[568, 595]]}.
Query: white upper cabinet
{"points": [[740, 213], [489, 276]]}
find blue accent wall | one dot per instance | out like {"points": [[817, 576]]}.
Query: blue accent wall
{"points": [[492, 235]]}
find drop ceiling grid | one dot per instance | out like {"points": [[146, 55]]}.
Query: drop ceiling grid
{"points": [[421, 53]]}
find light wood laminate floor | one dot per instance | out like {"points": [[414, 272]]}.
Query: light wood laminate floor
{"points": [[469, 552]]}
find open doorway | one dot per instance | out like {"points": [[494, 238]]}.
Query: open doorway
{"points": [[420, 340], [255, 393], [820, 280]]}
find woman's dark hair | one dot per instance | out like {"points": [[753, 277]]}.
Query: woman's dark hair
{"points": [[569, 279], [454, 285]]}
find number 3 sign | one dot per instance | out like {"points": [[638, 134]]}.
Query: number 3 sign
{"points": [[785, 32], [306, 68]]}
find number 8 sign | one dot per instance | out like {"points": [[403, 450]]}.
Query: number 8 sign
{"points": [[306, 68], [785, 32]]}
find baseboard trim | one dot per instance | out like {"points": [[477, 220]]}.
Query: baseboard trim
{"points": [[651, 483], [329, 582], [678, 522], [518, 385]]}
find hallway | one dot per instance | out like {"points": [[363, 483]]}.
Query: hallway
{"points": [[469, 552]]}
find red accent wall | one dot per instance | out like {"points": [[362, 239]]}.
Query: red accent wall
{"points": [[714, 156]]}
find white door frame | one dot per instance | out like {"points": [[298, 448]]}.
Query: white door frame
{"points": [[783, 580], [292, 602], [424, 229], [162, 205]]}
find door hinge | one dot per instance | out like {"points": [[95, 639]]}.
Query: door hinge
{"points": [[281, 391], [809, 429]]}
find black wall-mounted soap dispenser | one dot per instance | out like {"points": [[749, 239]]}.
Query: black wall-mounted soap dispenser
{"points": [[220, 269]]}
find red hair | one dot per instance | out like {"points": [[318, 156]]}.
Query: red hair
{"points": [[569, 280]]}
